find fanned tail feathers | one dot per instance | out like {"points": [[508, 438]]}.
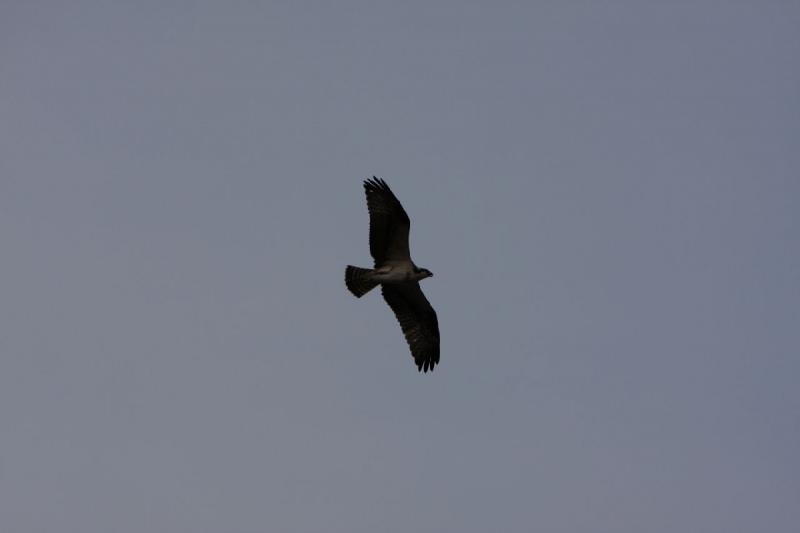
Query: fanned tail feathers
{"points": [[359, 280]]}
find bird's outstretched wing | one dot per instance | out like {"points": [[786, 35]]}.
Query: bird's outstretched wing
{"points": [[388, 223], [417, 320]]}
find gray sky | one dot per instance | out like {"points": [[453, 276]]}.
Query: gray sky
{"points": [[608, 195]]}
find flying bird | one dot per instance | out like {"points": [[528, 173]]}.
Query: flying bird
{"points": [[397, 274]]}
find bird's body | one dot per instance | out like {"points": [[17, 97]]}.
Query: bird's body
{"points": [[397, 274]]}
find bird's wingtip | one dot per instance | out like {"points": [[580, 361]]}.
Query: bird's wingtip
{"points": [[375, 183], [425, 366]]}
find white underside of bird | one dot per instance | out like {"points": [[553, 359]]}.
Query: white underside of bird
{"points": [[397, 272]]}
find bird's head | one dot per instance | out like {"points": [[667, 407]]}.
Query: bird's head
{"points": [[423, 273]]}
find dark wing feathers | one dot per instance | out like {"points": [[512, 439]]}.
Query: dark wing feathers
{"points": [[388, 223], [417, 320]]}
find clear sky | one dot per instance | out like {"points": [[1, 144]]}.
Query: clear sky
{"points": [[607, 193]]}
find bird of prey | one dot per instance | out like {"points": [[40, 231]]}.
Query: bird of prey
{"points": [[397, 274]]}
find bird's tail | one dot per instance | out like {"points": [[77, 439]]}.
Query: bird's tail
{"points": [[359, 280]]}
